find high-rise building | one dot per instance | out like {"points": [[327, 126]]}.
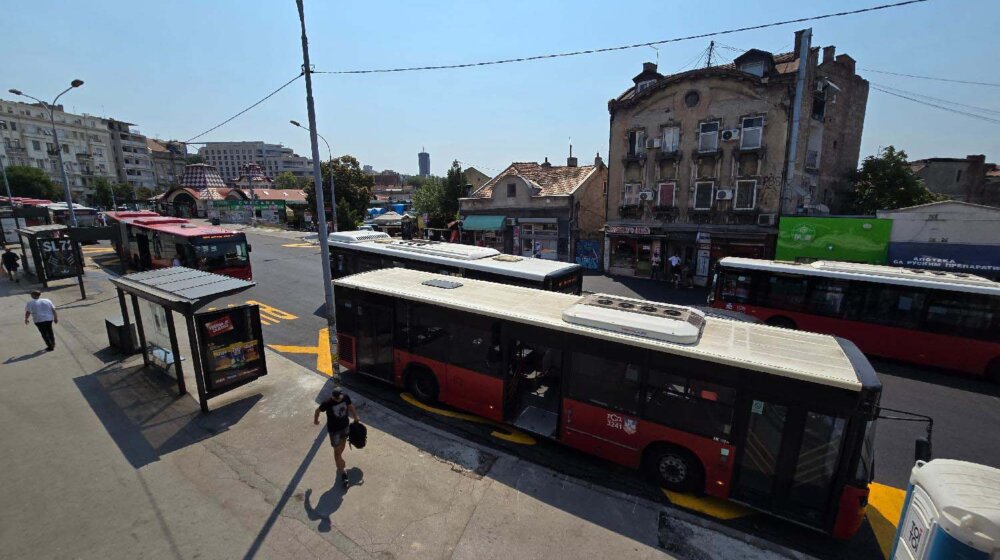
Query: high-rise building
{"points": [[133, 164], [169, 161], [424, 160], [274, 159]]}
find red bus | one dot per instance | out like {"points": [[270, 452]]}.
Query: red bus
{"points": [[779, 420], [941, 319], [153, 241]]}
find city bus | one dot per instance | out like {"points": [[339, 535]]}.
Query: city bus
{"points": [[942, 319], [59, 214], [359, 251], [779, 420], [149, 240]]}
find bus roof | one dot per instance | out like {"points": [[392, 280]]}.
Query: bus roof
{"points": [[168, 224], [795, 354], [954, 281], [452, 254]]}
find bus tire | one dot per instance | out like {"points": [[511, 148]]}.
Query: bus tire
{"points": [[422, 384], [783, 322], [675, 468]]}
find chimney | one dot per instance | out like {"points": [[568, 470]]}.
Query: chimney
{"points": [[798, 40], [546, 165], [598, 162], [571, 161], [847, 62], [828, 53], [649, 67]]}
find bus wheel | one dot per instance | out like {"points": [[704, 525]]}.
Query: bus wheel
{"points": [[675, 469], [783, 322], [422, 384]]}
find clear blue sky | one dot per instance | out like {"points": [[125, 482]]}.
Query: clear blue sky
{"points": [[177, 68]]}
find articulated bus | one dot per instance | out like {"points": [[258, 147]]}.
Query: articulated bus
{"points": [[153, 241], [360, 251], [941, 319], [779, 420]]}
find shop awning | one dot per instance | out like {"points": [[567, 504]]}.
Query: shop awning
{"points": [[484, 223]]}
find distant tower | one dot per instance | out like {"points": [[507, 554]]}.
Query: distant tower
{"points": [[424, 160]]}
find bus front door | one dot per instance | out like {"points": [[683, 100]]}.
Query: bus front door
{"points": [[374, 344]]}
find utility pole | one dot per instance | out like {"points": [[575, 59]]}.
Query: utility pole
{"points": [[324, 242], [10, 199], [711, 47], [793, 142]]}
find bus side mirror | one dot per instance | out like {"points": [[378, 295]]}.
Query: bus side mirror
{"points": [[249, 248], [922, 450]]}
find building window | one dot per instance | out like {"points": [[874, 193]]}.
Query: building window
{"points": [[812, 159], [511, 190], [756, 68], [750, 136], [630, 194], [636, 143], [746, 195], [666, 195], [37, 146], [703, 191], [13, 125], [691, 98], [671, 139], [708, 137]]}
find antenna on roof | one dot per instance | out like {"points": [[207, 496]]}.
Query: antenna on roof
{"points": [[711, 47], [657, 54], [570, 146]]}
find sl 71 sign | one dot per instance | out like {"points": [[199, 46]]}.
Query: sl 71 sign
{"points": [[59, 258]]}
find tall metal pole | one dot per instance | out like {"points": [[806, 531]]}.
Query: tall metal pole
{"points": [[329, 153], [792, 156], [10, 199], [62, 165], [324, 245]]}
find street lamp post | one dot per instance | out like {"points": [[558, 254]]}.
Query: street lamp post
{"points": [[55, 138], [329, 155], [6, 184]]}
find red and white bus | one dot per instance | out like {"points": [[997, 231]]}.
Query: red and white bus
{"points": [[941, 319], [780, 420], [153, 241]]}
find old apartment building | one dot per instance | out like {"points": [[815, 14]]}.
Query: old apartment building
{"points": [[699, 160]]}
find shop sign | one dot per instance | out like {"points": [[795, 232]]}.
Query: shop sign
{"points": [[628, 230], [232, 348]]}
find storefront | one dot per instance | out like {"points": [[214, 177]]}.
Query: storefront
{"points": [[537, 237], [485, 231], [634, 251]]}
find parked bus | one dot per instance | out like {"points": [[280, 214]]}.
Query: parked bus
{"points": [[360, 251], [779, 420], [941, 319], [153, 241], [59, 214]]}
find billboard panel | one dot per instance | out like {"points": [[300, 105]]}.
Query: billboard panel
{"points": [[59, 257], [809, 238], [981, 260], [231, 347]]}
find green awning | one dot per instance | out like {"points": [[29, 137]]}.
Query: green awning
{"points": [[484, 223]]}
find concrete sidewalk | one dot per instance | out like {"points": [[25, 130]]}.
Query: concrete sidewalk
{"points": [[101, 459]]}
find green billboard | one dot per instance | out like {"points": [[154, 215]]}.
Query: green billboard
{"points": [[810, 238]]}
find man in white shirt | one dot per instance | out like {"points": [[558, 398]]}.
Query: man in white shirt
{"points": [[44, 314]]}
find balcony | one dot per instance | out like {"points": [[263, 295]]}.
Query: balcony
{"points": [[16, 149], [630, 212], [673, 155], [635, 157]]}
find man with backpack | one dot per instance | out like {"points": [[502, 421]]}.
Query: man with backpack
{"points": [[337, 407]]}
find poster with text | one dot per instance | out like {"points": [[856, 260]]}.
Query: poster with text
{"points": [[232, 348], [59, 258]]}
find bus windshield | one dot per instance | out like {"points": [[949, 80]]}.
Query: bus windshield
{"points": [[222, 253]]}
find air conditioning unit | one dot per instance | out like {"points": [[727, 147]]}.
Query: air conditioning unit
{"points": [[646, 195], [766, 219], [730, 134], [652, 143], [724, 194]]}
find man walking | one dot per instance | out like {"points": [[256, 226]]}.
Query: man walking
{"points": [[44, 314], [9, 261], [337, 407]]}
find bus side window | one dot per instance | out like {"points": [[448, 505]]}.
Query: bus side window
{"points": [[960, 314], [688, 404], [476, 344], [894, 306], [819, 454], [784, 292], [429, 328], [826, 297], [609, 382], [366, 263], [736, 286]]}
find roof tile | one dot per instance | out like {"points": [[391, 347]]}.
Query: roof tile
{"points": [[552, 180]]}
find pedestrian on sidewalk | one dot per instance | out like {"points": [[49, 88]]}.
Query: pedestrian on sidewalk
{"points": [[10, 260], [44, 314], [337, 407]]}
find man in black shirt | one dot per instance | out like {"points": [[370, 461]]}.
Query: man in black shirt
{"points": [[337, 407], [10, 265]]}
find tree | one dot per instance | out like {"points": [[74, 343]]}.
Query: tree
{"points": [[884, 182], [288, 180], [142, 194], [31, 182], [193, 159], [102, 193], [354, 190], [124, 194], [439, 198]]}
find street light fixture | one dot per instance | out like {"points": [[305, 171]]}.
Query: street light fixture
{"points": [[329, 155], [55, 138]]}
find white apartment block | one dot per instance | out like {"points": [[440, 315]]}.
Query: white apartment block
{"points": [[133, 162], [274, 159], [87, 151]]}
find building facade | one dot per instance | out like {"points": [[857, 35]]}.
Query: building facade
{"points": [[424, 163], [540, 210], [275, 159], [474, 178], [968, 180], [699, 160], [85, 141], [133, 162], [169, 159]]}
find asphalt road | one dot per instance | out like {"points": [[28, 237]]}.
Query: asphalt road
{"points": [[966, 411]]}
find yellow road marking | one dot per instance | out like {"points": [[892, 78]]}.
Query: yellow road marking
{"points": [[271, 315], [300, 245], [324, 359], [885, 505], [708, 505], [89, 250], [513, 435]]}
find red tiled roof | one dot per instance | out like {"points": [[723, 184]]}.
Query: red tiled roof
{"points": [[552, 180], [288, 195]]}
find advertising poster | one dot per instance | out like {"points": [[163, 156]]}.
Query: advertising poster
{"points": [[232, 349], [58, 258]]}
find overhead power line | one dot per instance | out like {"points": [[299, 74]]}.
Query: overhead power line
{"points": [[942, 107], [230, 119], [989, 84], [938, 99], [626, 47]]}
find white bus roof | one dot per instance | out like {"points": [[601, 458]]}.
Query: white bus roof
{"points": [[795, 354], [954, 281], [471, 257]]}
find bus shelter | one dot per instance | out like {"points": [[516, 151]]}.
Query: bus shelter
{"points": [[49, 253], [226, 345]]}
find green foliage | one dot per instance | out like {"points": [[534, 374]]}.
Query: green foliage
{"points": [[143, 194], [288, 180], [885, 182], [353, 187], [102, 193], [439, 198], [124, 194], [31, 182], [193, 159]]}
